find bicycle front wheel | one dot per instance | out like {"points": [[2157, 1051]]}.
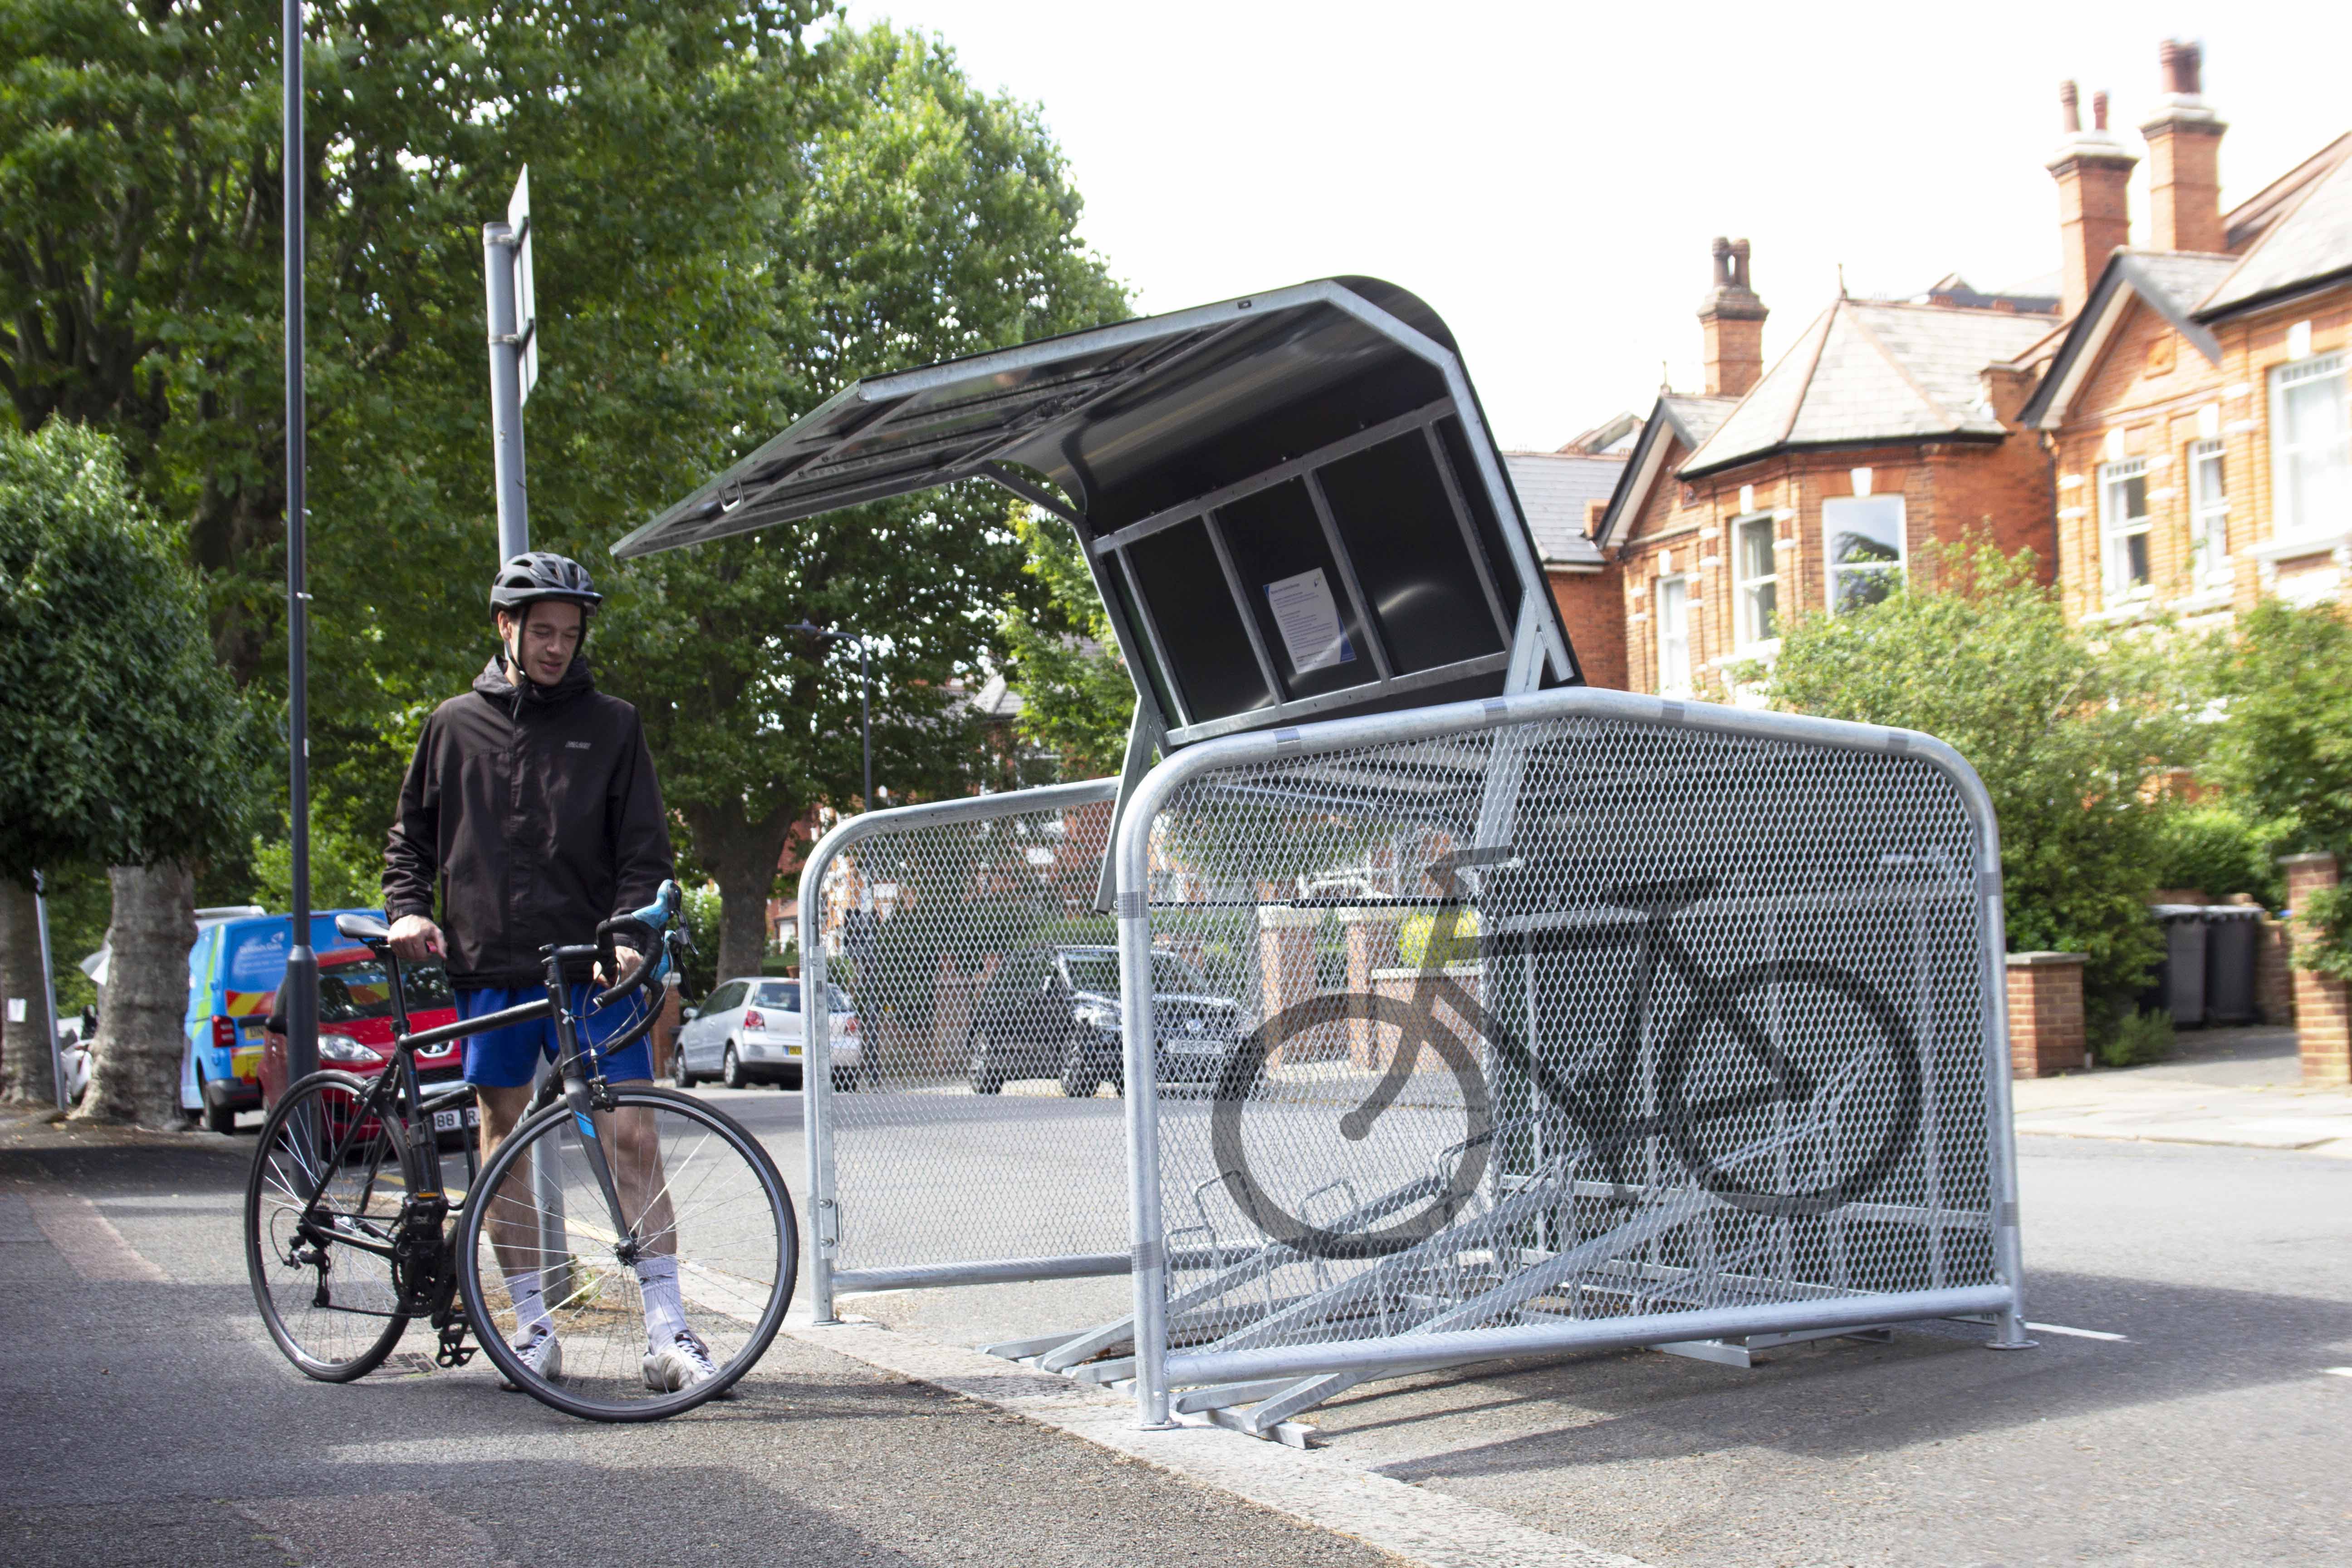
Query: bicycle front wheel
{"points": [[321, 1210], [696, 1188]]}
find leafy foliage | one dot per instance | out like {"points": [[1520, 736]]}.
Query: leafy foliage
{"points": [[120, 741], [2066, 732], [2139, 1036], [1077, 698], [2212, 847], [2283, 751]]}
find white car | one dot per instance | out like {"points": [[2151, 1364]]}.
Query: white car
{"points": [[749, 1031]]}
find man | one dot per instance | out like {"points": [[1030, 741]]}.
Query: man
{"points": [[531, 807]]}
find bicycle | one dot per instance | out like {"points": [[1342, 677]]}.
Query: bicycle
{"points": [[1601, 1104], [350, 1234]]}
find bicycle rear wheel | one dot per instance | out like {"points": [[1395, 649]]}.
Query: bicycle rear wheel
{"points": [[713, 1200], [320, 1267]]}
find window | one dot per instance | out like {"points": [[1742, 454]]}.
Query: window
{"points": [[2209, 515], [784, 994], [2123, 522], [2311, 446], [727, 997], [1862, 541], [1673, 634], [1758, 570]]}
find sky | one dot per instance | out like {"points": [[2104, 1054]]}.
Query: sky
{"points": [[1548, 176]]}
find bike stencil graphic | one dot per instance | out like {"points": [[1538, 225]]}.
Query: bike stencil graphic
{"points": [[1746, 1071]]}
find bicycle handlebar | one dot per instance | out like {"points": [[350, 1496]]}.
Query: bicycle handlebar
{"points": [[659, 920]]}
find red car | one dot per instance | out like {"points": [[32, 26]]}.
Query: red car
{"points": [[355, 1026]]}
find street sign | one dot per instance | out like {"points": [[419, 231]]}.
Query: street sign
{"points": [[526, 286]]}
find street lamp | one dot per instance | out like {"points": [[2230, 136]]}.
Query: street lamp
{"points": [[865, 693]]}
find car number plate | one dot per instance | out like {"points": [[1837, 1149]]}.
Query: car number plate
{"points": [[446, 1120]]}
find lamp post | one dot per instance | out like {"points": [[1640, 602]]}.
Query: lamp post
{"points": [[865, 693], [301, 984]]}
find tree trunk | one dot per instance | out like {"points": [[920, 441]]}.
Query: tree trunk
{"points": [[742, 855], [135, 1063], [25, 1069]]}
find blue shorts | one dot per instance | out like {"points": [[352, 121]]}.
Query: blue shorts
{"points": [[506, 1059]]}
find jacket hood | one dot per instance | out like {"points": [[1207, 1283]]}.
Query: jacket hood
{"points": [[493, 683]]}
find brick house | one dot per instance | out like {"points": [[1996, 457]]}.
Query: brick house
{"points": [[2196, 404], [1816, 484], [1563, 494]]}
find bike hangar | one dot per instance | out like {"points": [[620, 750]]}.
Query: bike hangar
{"points": [[1662, 1024]]}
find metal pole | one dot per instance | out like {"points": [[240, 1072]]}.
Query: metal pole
{"points": [[506, 392], [866, 718], [49, 987], [302, 964]]}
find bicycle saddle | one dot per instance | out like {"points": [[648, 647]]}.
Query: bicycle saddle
{"points": [[363, 928]]}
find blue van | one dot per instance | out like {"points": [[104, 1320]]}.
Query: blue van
{"points": [[234, 972]]}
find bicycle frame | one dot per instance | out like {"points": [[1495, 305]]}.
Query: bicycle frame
{"points": [[578, 1080]]}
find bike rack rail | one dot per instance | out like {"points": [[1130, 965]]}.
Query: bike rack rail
{"points": [[1829, 846]]}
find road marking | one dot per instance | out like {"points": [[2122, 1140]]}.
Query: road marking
{"points": [[1324, 1487], [2338, 1370], [2077, 1333], [86, 1238]]}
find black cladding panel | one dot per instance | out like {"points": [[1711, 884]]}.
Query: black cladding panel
{"points": [[1398, 524]]}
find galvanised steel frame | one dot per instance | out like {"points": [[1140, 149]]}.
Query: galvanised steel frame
{"points": [[1285, 1379], [824, 1282]]}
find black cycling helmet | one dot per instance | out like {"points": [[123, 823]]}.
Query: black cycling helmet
{"points": [[538, 574]]}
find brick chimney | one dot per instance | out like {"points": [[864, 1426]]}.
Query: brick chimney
{"points": [[1731, 320], [2184, 157], [2093, 216]]}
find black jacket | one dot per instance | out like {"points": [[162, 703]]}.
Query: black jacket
{"points": [[535, 815]]}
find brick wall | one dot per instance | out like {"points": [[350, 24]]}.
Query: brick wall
{"points": [[2046, 1014], [2155, 393], [1949, 490], [2322, 1013], [1592, 603]]}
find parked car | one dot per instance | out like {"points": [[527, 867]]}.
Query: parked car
{"points": [[234, 971], [1054, 1013], [355, 1027], [749, 1031]]}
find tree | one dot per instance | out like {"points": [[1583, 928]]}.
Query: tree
{"points": [[2283, 753], [2066, 733], [1077, 698], [926, 220], [122, 741]]}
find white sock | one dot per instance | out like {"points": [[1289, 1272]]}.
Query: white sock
{"points": [[664, 1313], [529, 1298]]}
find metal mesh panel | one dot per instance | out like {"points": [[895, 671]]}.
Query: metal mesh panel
{"points": [[954, 1120], [1568, 1020]]}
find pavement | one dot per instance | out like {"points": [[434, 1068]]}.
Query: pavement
{"points": [[2240, 1087], [149, 1420], [2190, 1264]]}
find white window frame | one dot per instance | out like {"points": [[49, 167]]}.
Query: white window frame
{"points": [[2115, 533], [1747, 621], [2208, 513], [2287, 519], [1899, 568], [1672, 630]]}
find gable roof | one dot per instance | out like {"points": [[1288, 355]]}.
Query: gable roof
{"points": [[1554, 489], [1674, 418], [2308, 246], [1869, 372], [2170, 282]]}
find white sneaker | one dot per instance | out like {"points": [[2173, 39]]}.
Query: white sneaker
{"points": [[543, 1353], [683, 1362]]}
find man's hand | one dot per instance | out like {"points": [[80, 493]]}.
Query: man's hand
{"points": [[625, 958], [416, 938]]}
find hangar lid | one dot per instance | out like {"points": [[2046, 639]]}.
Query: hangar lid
{"points": [[1290, 503]]}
